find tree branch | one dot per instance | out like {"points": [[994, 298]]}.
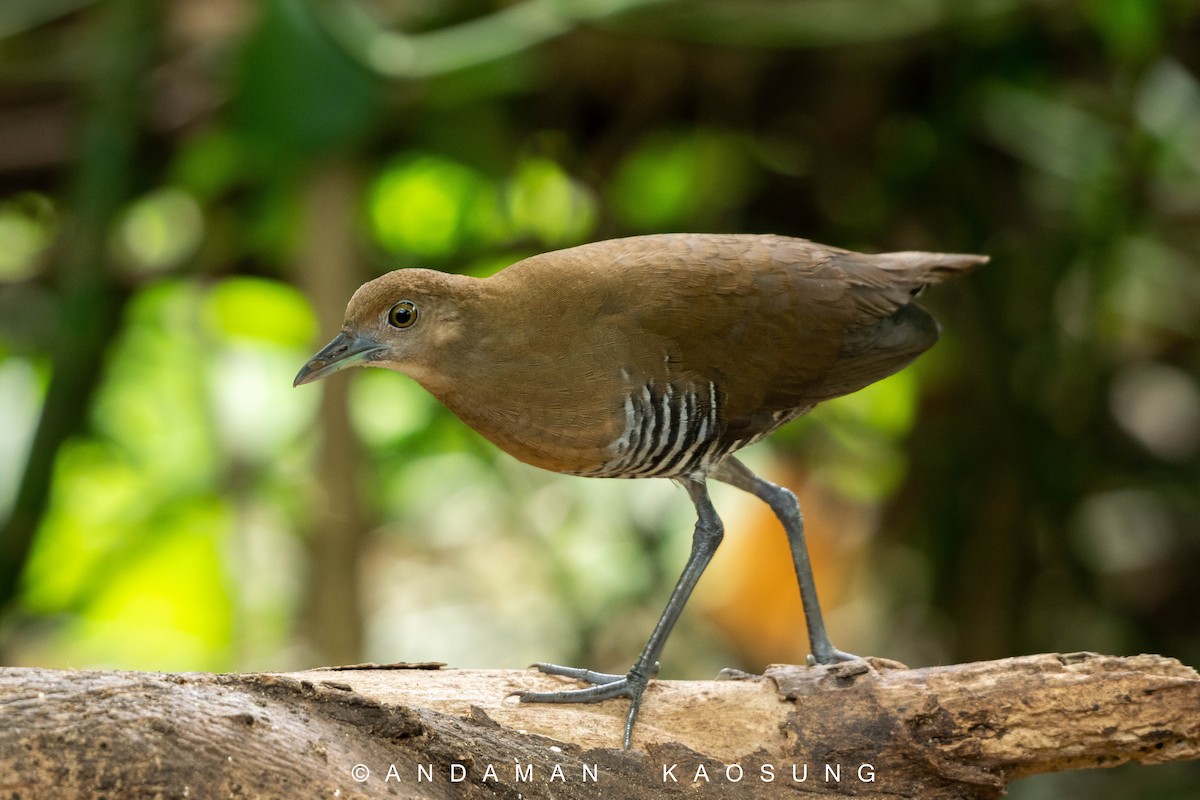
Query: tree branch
{"points": [[883, 731], [524, 25], [400, 55]]}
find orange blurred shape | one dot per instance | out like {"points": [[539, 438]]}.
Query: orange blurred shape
{"points": [[749, 591]]}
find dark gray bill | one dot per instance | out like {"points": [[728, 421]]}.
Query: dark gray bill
{"points": [[345, 350]]}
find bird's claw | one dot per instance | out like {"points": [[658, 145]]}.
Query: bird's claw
{"points": [[576, 673]]}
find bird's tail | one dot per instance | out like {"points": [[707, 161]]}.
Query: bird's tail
{"points": [[925, 268]]}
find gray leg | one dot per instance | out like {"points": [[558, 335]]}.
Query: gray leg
{"points": [[787, 508], [705, 539]]}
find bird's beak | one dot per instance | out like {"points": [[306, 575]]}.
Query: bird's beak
{"points": [[346, 350]]}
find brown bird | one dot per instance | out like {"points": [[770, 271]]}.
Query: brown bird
{"points": [[651, 356]]}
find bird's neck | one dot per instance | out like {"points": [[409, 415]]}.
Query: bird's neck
{"points": [[504, 376]]}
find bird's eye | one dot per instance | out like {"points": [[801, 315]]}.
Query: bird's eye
{"points": [[403, 314]]}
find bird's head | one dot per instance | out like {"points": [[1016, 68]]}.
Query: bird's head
{"points": [[404, 320]]}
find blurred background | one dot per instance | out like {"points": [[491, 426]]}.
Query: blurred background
{"points": [[190, 191]]}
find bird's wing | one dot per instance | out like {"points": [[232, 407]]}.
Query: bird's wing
{"points": [[776, 323], [779, 323]]}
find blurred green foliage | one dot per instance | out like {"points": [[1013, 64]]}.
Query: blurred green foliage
{"points": [[681, 181], [1029, 485]]}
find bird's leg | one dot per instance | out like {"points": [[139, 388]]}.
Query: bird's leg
{"points": [[705, 539], [783, 502]]}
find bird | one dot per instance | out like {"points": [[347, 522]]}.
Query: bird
{"points": [[654, 356]]}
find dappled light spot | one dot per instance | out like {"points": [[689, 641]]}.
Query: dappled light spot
{"points": [[430, 206], [264, 310], [159, 231]]}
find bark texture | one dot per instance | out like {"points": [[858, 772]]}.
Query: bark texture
{"points": [[418, 731]]}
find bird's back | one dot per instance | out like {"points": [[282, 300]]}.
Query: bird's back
{"points": [[659, 355]]}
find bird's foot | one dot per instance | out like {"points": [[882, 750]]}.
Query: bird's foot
{"points": [[831, 655], [605, 686]]}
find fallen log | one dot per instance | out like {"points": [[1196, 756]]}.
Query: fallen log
{"points": [[870, 729]]}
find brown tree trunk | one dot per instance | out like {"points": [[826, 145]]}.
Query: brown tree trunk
{"points": [[417, 731], [326, 271]]}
